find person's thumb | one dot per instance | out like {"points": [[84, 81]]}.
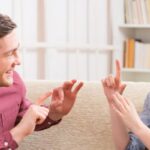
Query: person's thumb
{"points": [[122, 88], [41, 100]]}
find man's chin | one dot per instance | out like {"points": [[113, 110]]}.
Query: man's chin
{"points": [[7, 82]]}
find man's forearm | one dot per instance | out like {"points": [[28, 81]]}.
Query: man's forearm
{"points": [[17, 134]]}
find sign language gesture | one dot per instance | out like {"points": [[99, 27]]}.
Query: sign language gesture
{"points": [[126, 110], [63, 99], [113, 84]]}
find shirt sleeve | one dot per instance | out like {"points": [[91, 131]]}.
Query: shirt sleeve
{"points": [[135, 143], [25, 104], [7, 142], [46, 124]]}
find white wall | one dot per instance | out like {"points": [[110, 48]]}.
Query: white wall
{"points": [[74, 33]]}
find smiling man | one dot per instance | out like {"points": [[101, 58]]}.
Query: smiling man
{"points": [[8, 56], [18, 117]]}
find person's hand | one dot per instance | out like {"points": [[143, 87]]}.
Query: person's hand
{"points": [[63, 99], [127, 112], [113, 84], [34, 115]]}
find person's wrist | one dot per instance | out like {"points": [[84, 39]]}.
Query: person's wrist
{"points": [[138, 129], [54, 116], [17, 134]]}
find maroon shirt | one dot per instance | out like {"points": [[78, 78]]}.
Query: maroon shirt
{"points": [[13, 105]]}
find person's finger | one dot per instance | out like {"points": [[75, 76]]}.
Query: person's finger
{"points": [[108, 83], [68, 84], [42, 114], [116, 109], [118, 74], [41, 118], [117, 99], [128, 102], [111, 81], [122, 88], [123, 101], [104, 82], [58, 94], [55, 104], [41, 100], [77, 88]]}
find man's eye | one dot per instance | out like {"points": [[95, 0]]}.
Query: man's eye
{"points": [[9, 54]]}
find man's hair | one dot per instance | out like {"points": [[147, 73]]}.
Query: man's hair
{"points": [[6, 25]]}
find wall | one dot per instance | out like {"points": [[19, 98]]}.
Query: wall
{"points": [[62, 39]]}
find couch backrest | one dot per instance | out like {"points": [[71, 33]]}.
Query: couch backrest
{"points": [[87, 127]]}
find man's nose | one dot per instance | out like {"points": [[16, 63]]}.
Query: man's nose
{"points": [[17, 59]]}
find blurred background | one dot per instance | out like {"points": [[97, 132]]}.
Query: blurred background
{"points": [[63, 39]]}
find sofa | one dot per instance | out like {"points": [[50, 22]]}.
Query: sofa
{"points": [[87, 126]]}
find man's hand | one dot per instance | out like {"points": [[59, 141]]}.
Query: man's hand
{"points": [[63, 99], [34, 115], [113, 84]]}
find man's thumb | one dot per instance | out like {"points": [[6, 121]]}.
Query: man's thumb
{"points": [[41, 100]]}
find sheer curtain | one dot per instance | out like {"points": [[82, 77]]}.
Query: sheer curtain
{"points": [[63, 39]]}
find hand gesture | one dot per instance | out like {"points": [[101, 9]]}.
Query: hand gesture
{"points": [[127, 112], [112, 84], [63, 99], [34, 115]]}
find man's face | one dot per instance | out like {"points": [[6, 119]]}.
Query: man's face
{"points": [[8, 58]]}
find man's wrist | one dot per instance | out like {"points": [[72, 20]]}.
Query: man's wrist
{"points": [[53, 122], [17, 134], [54, 116]]}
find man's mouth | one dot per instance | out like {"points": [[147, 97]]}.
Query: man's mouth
{"points": [[10, 73]]}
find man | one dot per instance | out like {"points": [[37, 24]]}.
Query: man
{"points": [[18, 117], [124, 116]]}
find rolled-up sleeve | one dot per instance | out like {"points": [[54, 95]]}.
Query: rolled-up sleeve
{"points": [[7, 142], [135, 143], [46, 124]]}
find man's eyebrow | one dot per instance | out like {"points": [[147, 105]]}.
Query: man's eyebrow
{"points": [[15, 47]]}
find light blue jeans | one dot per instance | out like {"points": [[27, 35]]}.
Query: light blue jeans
{"points": [[135, 143]]}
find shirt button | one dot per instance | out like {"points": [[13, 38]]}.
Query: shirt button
{"points": [[49, 123], [9, 149], [5, 144]]}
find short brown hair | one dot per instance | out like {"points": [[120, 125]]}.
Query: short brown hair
{"points": [[6, 25]]}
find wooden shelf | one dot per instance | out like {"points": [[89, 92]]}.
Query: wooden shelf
{"points": [[134, 26], [133, 70]]}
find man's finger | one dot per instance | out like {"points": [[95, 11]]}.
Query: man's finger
{"points": [[41, 100], [58, 93], [77, 88], [69, 84]]}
